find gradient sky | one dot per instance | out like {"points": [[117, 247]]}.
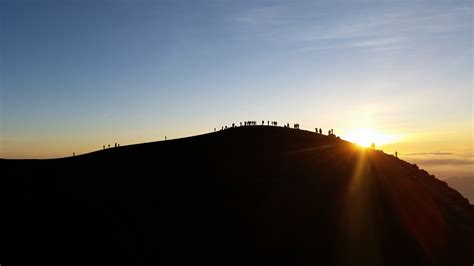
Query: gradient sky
{"points": [[75, 75]]}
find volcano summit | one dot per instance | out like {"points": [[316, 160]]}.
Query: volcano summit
{"points": [[247, 195]]}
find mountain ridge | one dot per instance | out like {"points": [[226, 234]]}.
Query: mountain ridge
{"points": [[257, 194]]}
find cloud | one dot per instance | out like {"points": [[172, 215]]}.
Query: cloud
{"points": [[397, 28], [261, 16], [443, 164], [428, 153], [440, 158], [377, 42], [402, 21], [386, 27], [465, 185], [439, 162]]}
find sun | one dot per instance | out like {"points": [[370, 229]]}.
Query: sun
{"points": [[365, 137]]}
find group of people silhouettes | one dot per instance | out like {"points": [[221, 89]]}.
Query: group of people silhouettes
{"points": [[275, 123], [108, 146], [254, 123], [320, 131]]}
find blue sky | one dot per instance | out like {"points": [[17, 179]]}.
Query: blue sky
{"points": [[79, 74]]}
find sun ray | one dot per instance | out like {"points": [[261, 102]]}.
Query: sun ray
{"points": [[357, 215]]}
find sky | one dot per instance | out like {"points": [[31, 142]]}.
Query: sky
{"points": [[76, 75]]}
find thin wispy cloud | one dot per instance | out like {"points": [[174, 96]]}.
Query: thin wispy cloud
{"points": [[427, 153], [394, 27], [377, 42], [451, 161], [266, 15]]}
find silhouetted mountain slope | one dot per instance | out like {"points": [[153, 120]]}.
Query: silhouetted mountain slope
{"points": [[248, 195], [463, 184]]}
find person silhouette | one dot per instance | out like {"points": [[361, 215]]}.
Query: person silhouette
{"points": [[103, 146], [109, 145], [320, 131], [396, 154]]}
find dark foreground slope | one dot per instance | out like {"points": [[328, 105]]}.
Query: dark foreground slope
{"points": [[253, 195]]}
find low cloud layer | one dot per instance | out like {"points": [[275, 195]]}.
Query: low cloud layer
{"points": [[439, 162], [444, 164], [428, 153], [456, 169]]}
